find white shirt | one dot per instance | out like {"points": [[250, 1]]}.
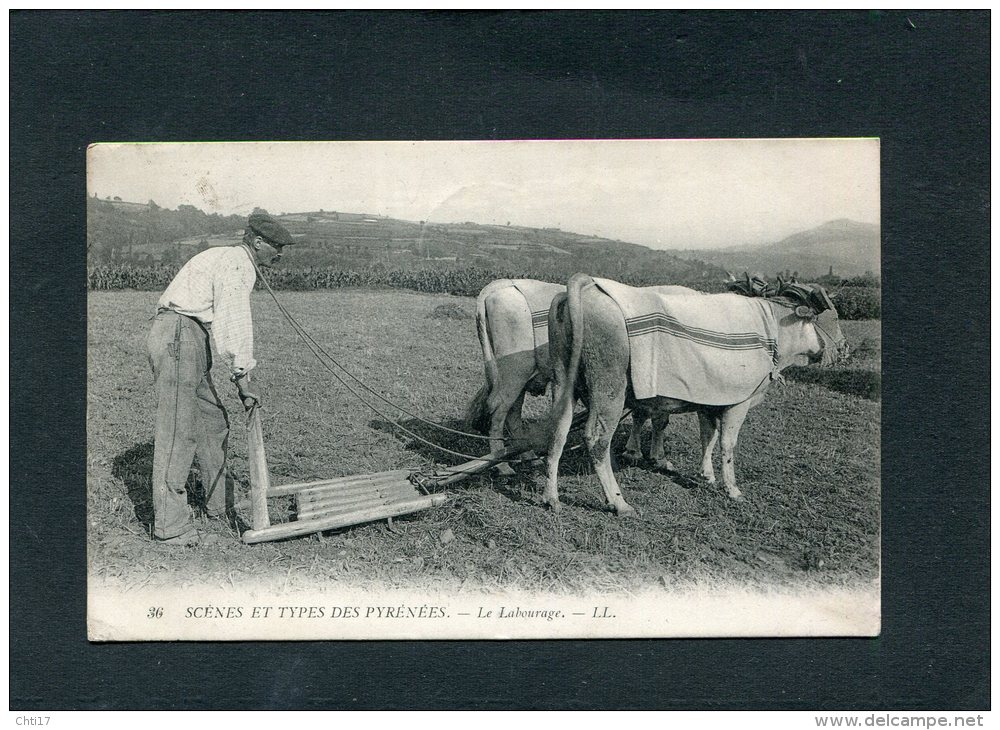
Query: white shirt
{"points": [[214, 287]]}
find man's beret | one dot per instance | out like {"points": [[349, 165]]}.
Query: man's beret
{"points": [[269, 229]]}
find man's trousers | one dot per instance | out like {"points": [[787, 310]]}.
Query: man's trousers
{"points": [[190, 420]]}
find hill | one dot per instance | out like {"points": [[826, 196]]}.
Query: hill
{"points": [[851, 248], [121, 232], [357, 240]]}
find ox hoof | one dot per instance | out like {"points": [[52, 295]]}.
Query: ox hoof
{"points": [[665, 464], [738, 497], [626, 510], [553, 504], [505, 470], [532, 459], [631, 457]]}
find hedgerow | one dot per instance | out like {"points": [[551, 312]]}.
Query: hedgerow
{"points": [[859, 302], [127, 276], [852, 302]]}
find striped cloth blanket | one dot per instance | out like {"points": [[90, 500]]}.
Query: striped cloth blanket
{"points": [[539, 296], [711, 349]]}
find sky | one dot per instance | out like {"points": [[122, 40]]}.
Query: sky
{"points": [[665, 194]]}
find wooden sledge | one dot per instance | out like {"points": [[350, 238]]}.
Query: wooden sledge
{"points": [[329, 504]]}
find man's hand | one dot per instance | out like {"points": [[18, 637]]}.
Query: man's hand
{"points": [[249, 399]]}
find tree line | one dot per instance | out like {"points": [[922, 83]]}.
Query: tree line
{"points": [[119, 232]]}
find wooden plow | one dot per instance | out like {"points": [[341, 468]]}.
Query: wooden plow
{"points": [[330, 504]]}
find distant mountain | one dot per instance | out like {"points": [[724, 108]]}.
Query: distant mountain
{"points": [[851, 248]]}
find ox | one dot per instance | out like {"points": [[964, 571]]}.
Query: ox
{"points": [[512, 323], [590, 356]]}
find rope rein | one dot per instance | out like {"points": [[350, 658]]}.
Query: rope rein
{"points": [[309, 339], [319, 352]]}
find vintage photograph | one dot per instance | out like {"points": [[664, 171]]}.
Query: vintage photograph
{"points": [[483, 390]]}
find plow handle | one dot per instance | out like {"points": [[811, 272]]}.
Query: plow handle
{"points": [[260, 478]]}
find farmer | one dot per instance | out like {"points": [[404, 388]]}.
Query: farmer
{"points": [[209, 295]]}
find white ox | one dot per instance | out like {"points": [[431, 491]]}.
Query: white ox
{"points": [[512, 362], [589, 335], [512, 323]]}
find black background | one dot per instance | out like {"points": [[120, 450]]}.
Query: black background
{"points": [[919, 81]]}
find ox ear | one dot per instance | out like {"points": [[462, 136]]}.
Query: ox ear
{"points": [[804, 312]]}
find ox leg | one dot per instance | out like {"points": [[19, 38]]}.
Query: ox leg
{"points": [[518, 432], [561, 420], [561, 389], [601, 425], [504, 403], [661, 421], [709, 427], [633, 449], [732, 420], [496, 447]]}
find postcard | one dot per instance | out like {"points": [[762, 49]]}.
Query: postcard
{"points": [[483, 389]]}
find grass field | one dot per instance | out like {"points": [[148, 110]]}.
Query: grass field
{"points": [[807, 463]]}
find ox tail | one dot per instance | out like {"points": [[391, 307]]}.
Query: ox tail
{"points": [[574, 294], [574, 291], [565, 371], [477, 415]]}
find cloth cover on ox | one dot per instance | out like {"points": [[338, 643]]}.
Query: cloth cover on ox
{"points": [[710, 349], [539, 298]]}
